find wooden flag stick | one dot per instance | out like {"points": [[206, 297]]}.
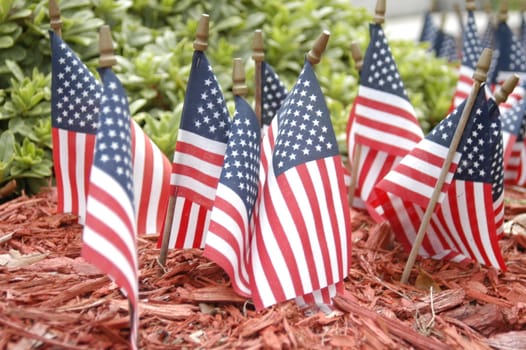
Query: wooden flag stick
{"points": [[200, 44], [314, 55], [106, 54], [356, 54], [258, 55], [503, 11], [239, 87], [470, 5], [55, 20], [479, 76], [458, 12], [506, 88]]}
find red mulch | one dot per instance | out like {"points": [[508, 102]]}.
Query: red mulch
{"points": [[51, 299]]}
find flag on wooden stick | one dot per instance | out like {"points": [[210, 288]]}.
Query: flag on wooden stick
{"points": [[198, 157], [75, 112], [464, 224], [75, 101], [384, 122], [110, 229], [301, 241]]}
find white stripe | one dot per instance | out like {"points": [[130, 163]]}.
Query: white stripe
{"points": [[373, 174], [64, 167], [258, 272], [139, 156], [207, 192], [80, 168], [156, 189]]}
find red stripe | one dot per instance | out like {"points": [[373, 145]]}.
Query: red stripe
{"points": [[57, 165], [196, 174], [201, 153]]}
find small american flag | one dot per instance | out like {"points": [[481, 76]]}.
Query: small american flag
{"points": [[198, 157], [384, 120], [272, 95], [75, 100], [110, 230], [75, 112], [445, 45], [464, 224], [429, 29], [513, 137], [522, 32], [300, 245], [511, 60], [232, 219], [471, 50]]}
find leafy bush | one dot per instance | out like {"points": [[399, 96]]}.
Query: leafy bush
{"points": [[153, 43]]}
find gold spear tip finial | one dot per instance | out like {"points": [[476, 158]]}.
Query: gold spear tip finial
{"points": [[470, 5], [379, 12], [506, 88], [357, 56], [201, 35], [503, 11], [481, 72], [239, 86], [106, 54], [314, 55], [55, 21], [258, 48]]}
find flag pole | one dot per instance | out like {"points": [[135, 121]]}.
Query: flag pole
{"points": [[379, 18], [503, 12], [107, 60], [55, 20], [506, 88], [479, 76], [314, 55], [258, 56], [200, 44], [239, 87], [357, 56]]}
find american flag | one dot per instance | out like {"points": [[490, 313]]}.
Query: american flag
{"points": [[513, 137], [232, 220], [75, 101], [471, 50], [511, 60], [522, 32], [464, 224], [75, 112], [198, 157], [445, 45], [384, 121], [429, 30], [110, 230], [300, 246], [273, 93]]}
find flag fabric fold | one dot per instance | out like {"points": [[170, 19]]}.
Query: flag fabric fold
{"points": [[76, 96], [232, 218], [302, 226], [109, 236], [383, 121], [464, 224], [198, 157]]}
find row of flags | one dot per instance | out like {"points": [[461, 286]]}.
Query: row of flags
{"points": [[268, 203]]}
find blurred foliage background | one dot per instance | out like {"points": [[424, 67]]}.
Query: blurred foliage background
{"points": [[153, 43]]}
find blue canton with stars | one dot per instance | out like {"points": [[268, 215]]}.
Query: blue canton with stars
{"points": [[304, 124], [481, 137], [513, 119], [113, 152], [241, 165], [379, 70], [429, 30], [471, 48], [204, 111], [511, 55], [75, 97], [272, 95]]}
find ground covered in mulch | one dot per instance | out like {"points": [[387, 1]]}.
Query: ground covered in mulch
{"points": [[51, 299]]}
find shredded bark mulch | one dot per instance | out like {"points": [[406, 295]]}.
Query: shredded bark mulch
{"points": [[50, 298]]}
